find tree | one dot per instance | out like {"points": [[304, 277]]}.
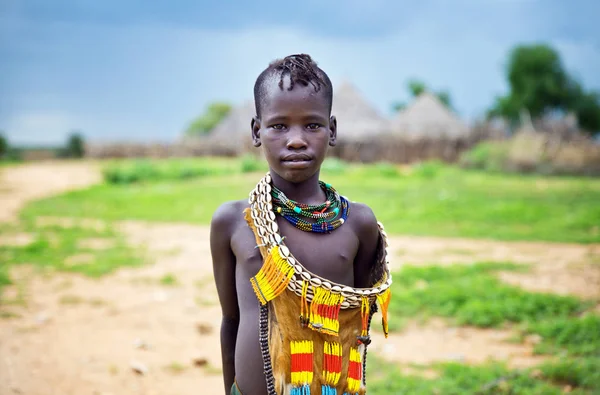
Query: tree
{"points": [[75, 145], [205, 123], [416, 88], [539, 83], [398, 106], [3, 145]]}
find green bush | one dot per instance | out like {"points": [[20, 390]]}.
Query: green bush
{"points": [[142, 170], [429, 169], [491, 156]]}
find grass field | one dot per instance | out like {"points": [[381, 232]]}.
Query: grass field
{"points": [[427, 200], [431, 200], [471, 295]]}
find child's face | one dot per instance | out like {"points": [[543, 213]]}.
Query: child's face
{"points": [[294, 129]]}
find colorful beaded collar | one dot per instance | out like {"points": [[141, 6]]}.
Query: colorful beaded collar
{"points": [[261, 211]]}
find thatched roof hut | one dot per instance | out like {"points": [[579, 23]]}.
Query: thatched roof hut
{"points": [[233, 132], [357, 119], [427, 117]]}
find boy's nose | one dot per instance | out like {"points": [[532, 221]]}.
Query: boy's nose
{"points": [[296, 139]]}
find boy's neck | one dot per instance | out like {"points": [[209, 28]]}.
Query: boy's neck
{"points": [[307, 192]]}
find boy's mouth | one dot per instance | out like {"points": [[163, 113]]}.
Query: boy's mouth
{"points": [[296, 160]]}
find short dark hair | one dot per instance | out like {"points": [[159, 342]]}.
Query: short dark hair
{"points": [[301, 69]]}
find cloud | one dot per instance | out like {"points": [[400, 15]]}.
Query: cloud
{"points": [[146, 78]]}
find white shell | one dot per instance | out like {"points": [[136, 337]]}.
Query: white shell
{"points": [[352, 298], [297, 268], [345, 304], [271, 216], [336, 289], [268, 188], [315, 281], [348, 290], [326, 285], [272, 240], [285, 252], [291, 260], [306, 276], [292, 285], [274, 227]]}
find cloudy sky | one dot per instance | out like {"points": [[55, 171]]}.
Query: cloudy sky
{"points": [[141, 70]]}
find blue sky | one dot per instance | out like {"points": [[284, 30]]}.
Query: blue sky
{"points": [[140, 71]]}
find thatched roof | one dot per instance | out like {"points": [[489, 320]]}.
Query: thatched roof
{"points": [[356, 118], [234, 130], [236, 123], [428, 117]]}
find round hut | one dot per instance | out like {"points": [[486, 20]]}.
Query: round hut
{"points": [[358, 122], [232, 135], [429, 130]]}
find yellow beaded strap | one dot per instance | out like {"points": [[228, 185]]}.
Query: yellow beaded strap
{"points": [[273, 277]]}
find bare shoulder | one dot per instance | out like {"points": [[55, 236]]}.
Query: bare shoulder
{"points": [[364, 220], [227, 216]]}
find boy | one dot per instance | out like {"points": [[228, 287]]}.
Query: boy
{"points": [[298, 268]]}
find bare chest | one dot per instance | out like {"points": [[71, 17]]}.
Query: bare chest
{"points": [[328, 255]]}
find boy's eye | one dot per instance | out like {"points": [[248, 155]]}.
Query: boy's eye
{"points": [[278, 126], [313, 126]]}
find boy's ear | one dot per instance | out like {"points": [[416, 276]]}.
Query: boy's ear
{"points": [[255, 125], [332, 131]]}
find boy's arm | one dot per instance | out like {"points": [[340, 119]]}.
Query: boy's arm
{"points": [[368, 235], [223, 259]]}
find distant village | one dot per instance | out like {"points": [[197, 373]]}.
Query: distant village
{"points": [[425, 128]]}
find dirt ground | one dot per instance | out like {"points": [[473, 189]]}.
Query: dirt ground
{"points": [[128, 334]]}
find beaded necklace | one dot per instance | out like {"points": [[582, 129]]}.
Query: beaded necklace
{"points": [[325, 215]]}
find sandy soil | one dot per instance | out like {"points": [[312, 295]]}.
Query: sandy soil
{"points": [[23, 183], [81, 336]]}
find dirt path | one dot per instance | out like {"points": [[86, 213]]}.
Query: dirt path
{"points": [[82, 336], [23, 183]]}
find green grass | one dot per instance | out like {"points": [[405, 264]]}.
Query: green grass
{"points": [[169, 280], [454, 378], [575, 336], [471, 295], [63, 249], [176, 367], [581, 372], [432, 200], [144, 170]]}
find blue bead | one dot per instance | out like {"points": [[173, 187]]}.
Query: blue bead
{"points": [[297, 209]]}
